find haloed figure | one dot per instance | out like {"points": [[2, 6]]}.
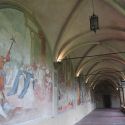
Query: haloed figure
{"points": [[3, 60]]}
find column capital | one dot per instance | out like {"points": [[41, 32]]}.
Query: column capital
{"points": [[122, 83]]}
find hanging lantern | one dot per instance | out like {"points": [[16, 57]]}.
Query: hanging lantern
{"points": [[94, 23]]}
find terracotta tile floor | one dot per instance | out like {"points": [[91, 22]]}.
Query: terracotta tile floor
{"points": [[104, 117]]}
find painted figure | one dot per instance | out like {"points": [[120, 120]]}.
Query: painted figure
{"points": [[3, 60], [28, 76], [48, 84], [27, 80], [16, 83]]}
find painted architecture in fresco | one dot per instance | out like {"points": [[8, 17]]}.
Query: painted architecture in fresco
{"points": [[25, 80], [83, 94], [71, 90], [65, 87]]}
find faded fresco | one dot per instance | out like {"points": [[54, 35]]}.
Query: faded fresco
{"points": [[71, 91], [27, 73], [83, 93], [65, 87], [25, 81]]}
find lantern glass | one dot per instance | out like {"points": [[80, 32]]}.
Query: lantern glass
{"points": [[94, 25]]}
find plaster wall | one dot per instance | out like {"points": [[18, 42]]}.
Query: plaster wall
{"points": [[115, 102], [67, 118]]}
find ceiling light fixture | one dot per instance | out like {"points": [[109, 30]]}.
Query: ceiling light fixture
{"points": [[94, 20]]}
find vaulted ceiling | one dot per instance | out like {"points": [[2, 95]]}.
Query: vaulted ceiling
{"points": [[66, 26]]}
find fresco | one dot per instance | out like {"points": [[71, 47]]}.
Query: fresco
{"points": [[25, 81], [65, 88], [27, 75], [71, 91], [82, 92]]}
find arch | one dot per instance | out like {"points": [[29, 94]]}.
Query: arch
{"points": [[110, 83], [99, 79], [95, 65], [77, 44], [32, 23], [69, 17], [20, 7], [94, 47], [113, 83], [117, 73], [105, 75], [97, 59]]}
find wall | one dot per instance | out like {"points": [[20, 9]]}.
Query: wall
{"points": [[115, 102], [32, 89], [105, 87], [68, 118], [99, 101], [26, 84]]}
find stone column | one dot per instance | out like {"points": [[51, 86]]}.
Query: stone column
{"points": [[123, 91], [121, 96]]}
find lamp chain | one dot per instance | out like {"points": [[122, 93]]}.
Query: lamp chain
{"points": [[93, 6]]}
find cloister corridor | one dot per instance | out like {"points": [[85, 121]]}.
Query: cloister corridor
{"points": [[62, 62]]}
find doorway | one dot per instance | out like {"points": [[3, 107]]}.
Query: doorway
{"points": [[107, 101]]}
